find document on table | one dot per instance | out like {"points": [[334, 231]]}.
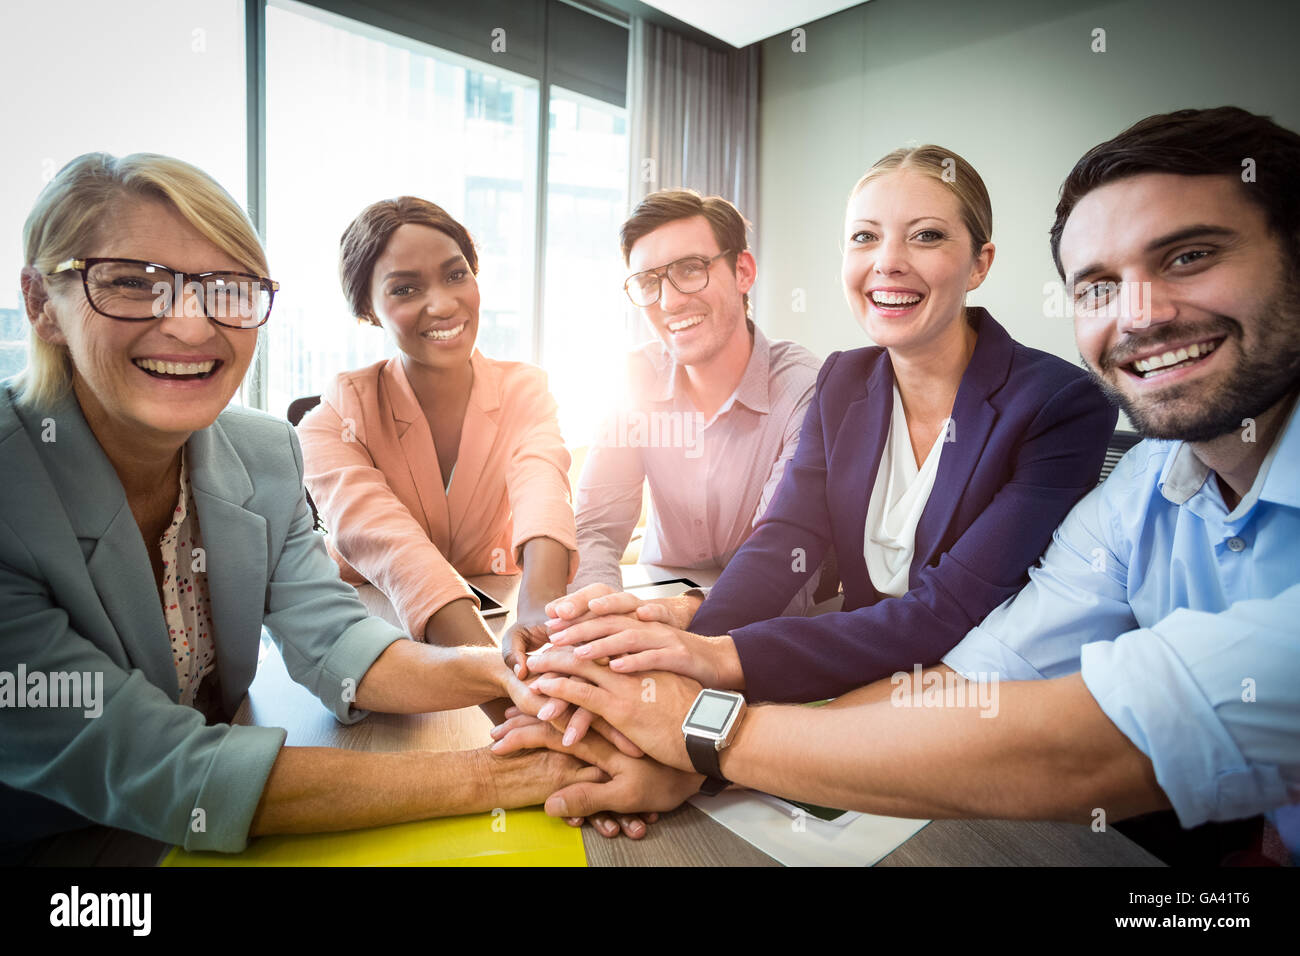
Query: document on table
{"points": [[505, 838], [798, 838]]}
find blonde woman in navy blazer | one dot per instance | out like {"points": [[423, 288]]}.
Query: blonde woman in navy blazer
{"points": [[1025, 434]]}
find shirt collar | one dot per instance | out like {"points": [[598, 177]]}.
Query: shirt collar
{"points": [[484, 392], [1184, 474], [753, 390]]}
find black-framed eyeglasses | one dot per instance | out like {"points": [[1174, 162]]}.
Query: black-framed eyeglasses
{"points": [[688, 274], [132, 290]]}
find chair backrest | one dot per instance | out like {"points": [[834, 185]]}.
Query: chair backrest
{"points": [[1119, 444], [300, 407], [297, 409]]}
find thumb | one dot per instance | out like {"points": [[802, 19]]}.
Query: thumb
{"points": [[581, 800]]}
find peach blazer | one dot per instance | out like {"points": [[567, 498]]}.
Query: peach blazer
{"points": [[372, 469]]}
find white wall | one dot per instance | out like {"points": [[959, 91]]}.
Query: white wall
{"points": [[1012, 86]]}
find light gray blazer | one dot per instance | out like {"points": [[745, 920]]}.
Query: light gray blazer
{"points": [[77, 594]]}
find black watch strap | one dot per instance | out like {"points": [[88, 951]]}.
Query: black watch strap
{"points": [[704, 758]]}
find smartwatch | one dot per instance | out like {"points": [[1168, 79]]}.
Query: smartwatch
{"points": [[709, 726]]}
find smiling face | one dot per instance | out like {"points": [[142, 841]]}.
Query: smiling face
{"points": [[423, 292], [908, 262], [157, 380], [694, 326], [1185, 310]]}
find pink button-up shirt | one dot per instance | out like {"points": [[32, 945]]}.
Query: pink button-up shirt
{"points": [[710, 480]]}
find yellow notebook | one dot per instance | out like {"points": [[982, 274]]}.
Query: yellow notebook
{"points": [[510, 838]]}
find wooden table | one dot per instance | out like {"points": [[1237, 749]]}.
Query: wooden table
{"points": [[685, 837]]}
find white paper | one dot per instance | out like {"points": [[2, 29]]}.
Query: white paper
{"points": [[797, 839]]}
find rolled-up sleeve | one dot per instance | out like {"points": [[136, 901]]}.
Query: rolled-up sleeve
{"points": [[1213, 699], [537, 478], [370, 527]]}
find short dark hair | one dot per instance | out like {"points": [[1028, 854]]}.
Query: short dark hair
{"points": [[366, 236], [669, 205], [1212, 142]]}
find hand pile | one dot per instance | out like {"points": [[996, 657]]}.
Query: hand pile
{"points": [[622, 666]]}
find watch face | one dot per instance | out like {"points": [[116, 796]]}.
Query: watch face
{"points": [[711, 712]]}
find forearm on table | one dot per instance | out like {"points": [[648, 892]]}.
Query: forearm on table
{"points": [[1048, 752], [413, 678], [877, 690], [315, 789], [545, 577], [458, 623]]}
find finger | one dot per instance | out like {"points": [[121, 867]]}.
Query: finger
{"points": [[605, 825], [573, 605], [632, 826], [624, 642], [620, 602], [655, 659], [617, 738], [655, 612], [552, 709], [561, 662], [579, 723], [578, 693], [528, 737], [589, 630], [575, 821], [650, 817], [516, 654], [513, 711], [521, 720]]}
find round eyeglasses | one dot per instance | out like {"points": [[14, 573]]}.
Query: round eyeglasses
{"points": [[132, 290], [688, 274]]}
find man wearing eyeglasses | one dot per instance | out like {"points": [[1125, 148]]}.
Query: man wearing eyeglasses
{"points": [[714, 407]]}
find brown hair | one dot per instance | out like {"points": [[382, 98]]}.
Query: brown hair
{"points": [[947, 167], [1214, 142], [365, 238], [670, 205]]}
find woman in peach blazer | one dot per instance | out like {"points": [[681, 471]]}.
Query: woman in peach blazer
{"points": [[439, 463]]}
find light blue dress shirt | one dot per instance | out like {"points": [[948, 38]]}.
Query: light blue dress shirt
{"points": [[1184, 619]]}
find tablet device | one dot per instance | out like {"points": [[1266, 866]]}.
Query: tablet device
{"points": [[488, 607], [658, 589]]}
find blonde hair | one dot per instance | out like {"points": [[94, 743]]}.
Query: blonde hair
{"points": [[74, 210], [947, 167]]}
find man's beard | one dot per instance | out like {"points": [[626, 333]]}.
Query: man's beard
{"points": [[1261, 378]]}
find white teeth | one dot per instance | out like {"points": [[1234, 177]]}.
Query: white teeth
{"points": [[685, 324], [442, 335], [1156, 363], [176, 368], [895, 298]]}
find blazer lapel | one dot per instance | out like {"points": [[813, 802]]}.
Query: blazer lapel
{"points": [[973, 418], [115, 555], [477, 436], [235, 545], [421, 455], [858, 445]]}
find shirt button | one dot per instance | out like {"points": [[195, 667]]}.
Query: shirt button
{"points": [[1236, 544], [698, 522]]}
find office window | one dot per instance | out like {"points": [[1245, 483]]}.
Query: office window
{"points": [[121, 84], [356, 114], [587, 320]]}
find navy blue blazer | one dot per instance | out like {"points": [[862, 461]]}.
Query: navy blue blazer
{"points": [[1029, 434]]}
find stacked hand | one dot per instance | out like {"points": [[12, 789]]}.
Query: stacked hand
{"points": [[579, 667]]}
